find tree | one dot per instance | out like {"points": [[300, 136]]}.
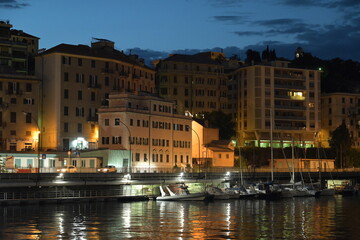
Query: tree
{"points": [[341, 142], [220, 120]]}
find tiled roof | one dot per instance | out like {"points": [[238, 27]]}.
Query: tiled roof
{"points": [[202, 58], [100, 52], [21, 33]]}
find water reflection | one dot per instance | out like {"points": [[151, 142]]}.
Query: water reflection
{"points": [[300, 218]]}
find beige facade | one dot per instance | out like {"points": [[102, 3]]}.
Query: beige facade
{"points": [[146, 126], [304, 164], [19, 123], [208, 150], [77, 80], [275, 102], [16, 50], [196, 82], [337, 108]]}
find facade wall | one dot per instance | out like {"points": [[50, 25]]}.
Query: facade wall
{"points": [[336, 109], [148, 127], [281, 100], [196, 87], [75, 86], [19, 104]]}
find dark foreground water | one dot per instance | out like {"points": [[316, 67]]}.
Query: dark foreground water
{"points": [[301, 218]]}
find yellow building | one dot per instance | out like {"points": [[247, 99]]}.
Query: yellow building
{"points": [[148, 128], [275, 102], [304, 165], [77, 80], [19, 91], [19, 102], [337, 108], [208, 150], [17, 49], [196, 82]]}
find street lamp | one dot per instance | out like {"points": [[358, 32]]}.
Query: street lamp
{"points": [[38, 145], [199, 144], [129, 139]]}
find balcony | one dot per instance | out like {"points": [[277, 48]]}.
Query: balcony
{"points": [[298, 118], [92, 118], [288, 86], [107, 70], [302, 108], [123, 74], [93, 85], [289, 76]]}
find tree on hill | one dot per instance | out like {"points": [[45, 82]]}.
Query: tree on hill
{"points": [[220, 120], [341, 142]]}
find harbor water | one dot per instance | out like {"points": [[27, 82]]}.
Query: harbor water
{"points": [[335, 217]]}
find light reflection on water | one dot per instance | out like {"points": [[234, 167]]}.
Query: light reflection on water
{"points": [[300, 218]]}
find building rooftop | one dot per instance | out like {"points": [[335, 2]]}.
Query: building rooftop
{"points": [[22, 33], [100, 52]]}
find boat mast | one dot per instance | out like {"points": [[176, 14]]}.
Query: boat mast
{"points": [[271, 145]]}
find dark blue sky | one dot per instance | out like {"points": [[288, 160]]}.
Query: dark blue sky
{"points": [[155, 28]]}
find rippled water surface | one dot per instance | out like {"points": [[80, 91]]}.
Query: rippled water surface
{"points": [[300, 218]]}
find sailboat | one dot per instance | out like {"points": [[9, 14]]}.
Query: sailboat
{"points": [[322, 191], [269, 190]]}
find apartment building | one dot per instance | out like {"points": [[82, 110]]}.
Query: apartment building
{"points": [[337, 108], [77, 80], [19, 91], [17, 49], [275, 103], [196, 83], [148, 128], [19, 101]]}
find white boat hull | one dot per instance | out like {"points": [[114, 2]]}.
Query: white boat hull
{"points": [[187, 197]]}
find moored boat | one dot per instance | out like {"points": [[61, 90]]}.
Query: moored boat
{"points": [[180, 193]]}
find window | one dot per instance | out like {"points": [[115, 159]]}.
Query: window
{"points": [[66, 93], [79, 128], [137, 157], [93, 63], [66, 111], [131, 122], [79, 78], [79, 95], [13, 117], [29, 87], [79, 61], [93, 96], [66, 76], [79, 112], [117, 121], [28, 117], [138, 123], [13, 132], [106, 122], [116, 140], [66, 127], [29, 101]]}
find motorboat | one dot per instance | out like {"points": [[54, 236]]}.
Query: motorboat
{"points": [[218, 193], [180, 193]]}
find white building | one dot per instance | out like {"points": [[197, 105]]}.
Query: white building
{"points": [[157, 138]]}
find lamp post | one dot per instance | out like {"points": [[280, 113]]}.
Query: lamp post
{"points": [[199, 145], [129, 140], [38, 145]]}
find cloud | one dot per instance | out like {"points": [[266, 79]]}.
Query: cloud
{"points": [[229, 19], [226, 3], [12, 4], [322, 3], [249, 33]]}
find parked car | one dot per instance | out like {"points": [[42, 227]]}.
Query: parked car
{"points": [[108, 169], [67, 169]]}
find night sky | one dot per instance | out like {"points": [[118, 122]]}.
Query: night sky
{"points": [[155, 28]]}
